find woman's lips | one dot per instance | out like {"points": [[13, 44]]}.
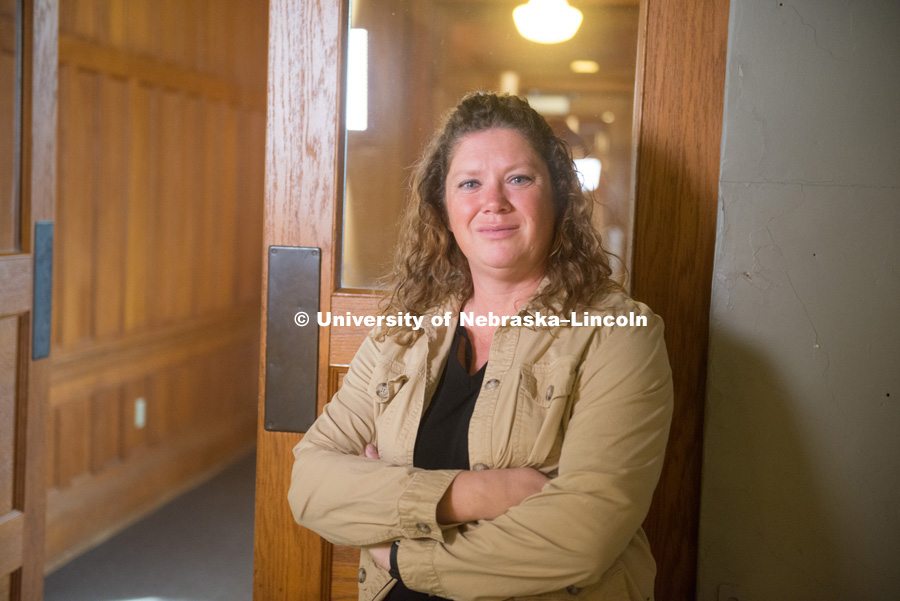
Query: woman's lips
{"points": [[497, 231]]}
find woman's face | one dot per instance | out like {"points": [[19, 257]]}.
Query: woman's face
{"points": [[500, 205]]}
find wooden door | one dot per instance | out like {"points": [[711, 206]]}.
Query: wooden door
{"points": [[29, 164], [678, 114]]}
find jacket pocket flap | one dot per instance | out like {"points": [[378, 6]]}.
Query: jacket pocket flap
{"points": [[387, 380], [554, 381]]}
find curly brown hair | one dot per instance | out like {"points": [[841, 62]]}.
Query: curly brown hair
{"points": [[429, 267]]}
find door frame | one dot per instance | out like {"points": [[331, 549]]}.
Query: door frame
{"points": [[22, 530], [679, 100]]}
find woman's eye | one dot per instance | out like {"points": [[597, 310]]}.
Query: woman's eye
{"points": [[520, 179], [469, 184]]}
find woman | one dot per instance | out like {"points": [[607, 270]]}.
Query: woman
{"points": [[512, 456]]}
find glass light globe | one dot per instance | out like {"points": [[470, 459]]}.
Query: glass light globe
{"points": [[547, 21]]}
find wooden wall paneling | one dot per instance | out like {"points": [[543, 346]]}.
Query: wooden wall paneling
{"points": [[193, 26], [149, 70], [220, 13], [212, 62], [214, 396], [73, 440], [106, 428], [162, 410], [189, 215], [198, 385], [117, 14], [225, 213], [157, 211], [133, 356], [247, 359], [212, 193], [78, 17], [243, 209], [67, 17], [675, 220], [94, 509], [140, 193], [181, 390], [192, 207], [173, 42], [76, 194], [232, 402], [237, 375], [112, 169], [169, 182], [173, 278], [157, 408], [144, 27], [212, 386]]}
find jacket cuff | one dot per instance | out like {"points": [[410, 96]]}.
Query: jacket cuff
{"points": [[415, 559], [417, 506]]}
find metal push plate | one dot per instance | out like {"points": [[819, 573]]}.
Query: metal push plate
{"points": [[43, 289], [292, 338]]}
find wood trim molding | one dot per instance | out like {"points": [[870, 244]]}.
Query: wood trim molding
{"points": [[79, 372], [336, 375], [678, 133], [122, 63]]}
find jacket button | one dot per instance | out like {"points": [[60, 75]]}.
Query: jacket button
{"points": [[550, 392], [361, 575], [479, 467], [382, 390], [572, 589], [423, 528], [491, 384]]}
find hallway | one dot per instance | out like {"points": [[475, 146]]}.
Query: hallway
{"points": [[198, 547]]}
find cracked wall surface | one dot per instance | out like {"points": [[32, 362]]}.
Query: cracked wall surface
{"points": [[801, 473]]}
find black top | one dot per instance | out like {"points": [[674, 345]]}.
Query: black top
{"points": [[442, 442]]}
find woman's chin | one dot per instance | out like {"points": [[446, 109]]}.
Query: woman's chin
{"points": [[505, 269]]}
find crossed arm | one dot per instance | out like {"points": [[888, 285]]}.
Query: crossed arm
{"points": [[473, 496], [574, 527]]}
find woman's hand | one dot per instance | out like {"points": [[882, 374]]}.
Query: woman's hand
{"points": [[487, 494], [381, 555], [371, 452]]}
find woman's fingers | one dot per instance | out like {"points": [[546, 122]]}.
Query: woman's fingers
{"points": [[381, 555], [371, 452]]}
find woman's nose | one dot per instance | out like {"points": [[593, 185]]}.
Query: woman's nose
{"points": [[495, 199]]}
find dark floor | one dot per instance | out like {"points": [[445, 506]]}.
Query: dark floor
{"points": [[199, 547]]}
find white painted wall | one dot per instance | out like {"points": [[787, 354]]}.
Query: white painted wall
{"points": [[801, 475]]}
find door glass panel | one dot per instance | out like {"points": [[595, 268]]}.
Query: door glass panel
{"points": [[10, 101], [412, 60]]}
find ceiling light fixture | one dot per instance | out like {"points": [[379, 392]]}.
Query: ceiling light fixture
{"points": [[547, 21], [584, 66]]}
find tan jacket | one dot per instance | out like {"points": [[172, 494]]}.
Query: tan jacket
{"points": [[588, 406]]}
